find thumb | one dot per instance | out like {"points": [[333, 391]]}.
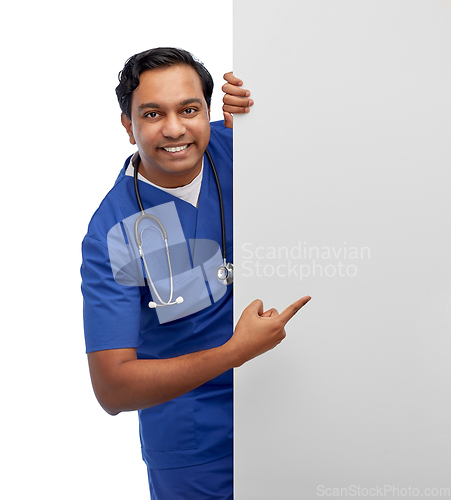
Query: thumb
{"points": [[255, 307], [228, 120]]}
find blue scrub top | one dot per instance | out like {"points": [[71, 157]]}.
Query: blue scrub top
{"points": [[196, 427]]}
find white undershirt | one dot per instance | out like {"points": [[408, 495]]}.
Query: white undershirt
{"points": [[189, 193]]}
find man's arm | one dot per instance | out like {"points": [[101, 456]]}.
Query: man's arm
{"points": [[122, 382], [236, 99]]}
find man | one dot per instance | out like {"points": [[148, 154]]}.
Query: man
{"points": [[177, 373]]}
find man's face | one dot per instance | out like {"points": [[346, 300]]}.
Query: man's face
{"points": [[170, 124]]}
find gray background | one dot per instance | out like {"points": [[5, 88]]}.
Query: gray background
{"points": [[348, 146]]}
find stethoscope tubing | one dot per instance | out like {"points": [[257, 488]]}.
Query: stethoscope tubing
{"points": [[224, 272], [218, 186], [221, 205]]}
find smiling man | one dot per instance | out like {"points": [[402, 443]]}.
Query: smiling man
{"points": [[177, 374], [170, 124]]}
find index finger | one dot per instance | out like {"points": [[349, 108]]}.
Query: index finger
{"points": [[231, 78], [290, 311]]}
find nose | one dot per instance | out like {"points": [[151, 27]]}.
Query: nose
{"points": [[173, 127]]}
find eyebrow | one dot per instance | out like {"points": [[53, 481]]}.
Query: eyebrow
{"points": [[149, 105], [155, 105], [191, 101]]}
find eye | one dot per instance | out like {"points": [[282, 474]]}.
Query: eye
{"points": [[189, 111], [151, 114]]}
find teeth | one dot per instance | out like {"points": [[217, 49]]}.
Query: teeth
{"points": [[175, 150]]}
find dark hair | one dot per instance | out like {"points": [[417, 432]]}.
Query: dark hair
{"points": [[160, 57]]}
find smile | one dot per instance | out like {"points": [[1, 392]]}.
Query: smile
{"points": [[176, 149]]}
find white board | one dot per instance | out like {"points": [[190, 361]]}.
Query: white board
{"points": [[342, 191]]}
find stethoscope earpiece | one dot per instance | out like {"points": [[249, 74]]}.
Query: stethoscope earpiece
{"points": [[178, 300]]}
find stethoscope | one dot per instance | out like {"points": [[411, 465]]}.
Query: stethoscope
{"points": [[224, 273]]}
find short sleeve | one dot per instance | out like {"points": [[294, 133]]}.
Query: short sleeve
{"points": [[111, 312], [224, 137]]}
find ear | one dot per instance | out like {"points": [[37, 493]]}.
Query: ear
{"points": [[127, 123], [208, 113]]}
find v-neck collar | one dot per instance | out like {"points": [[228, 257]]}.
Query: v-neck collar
{"points": [[203, 222]]}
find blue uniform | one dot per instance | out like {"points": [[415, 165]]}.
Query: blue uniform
{"points": [[195, 428]]}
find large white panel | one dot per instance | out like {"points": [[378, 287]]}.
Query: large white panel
{"points": [[342, 192]]}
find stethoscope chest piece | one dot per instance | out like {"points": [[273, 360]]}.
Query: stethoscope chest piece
{"points": [[224, 273]]}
